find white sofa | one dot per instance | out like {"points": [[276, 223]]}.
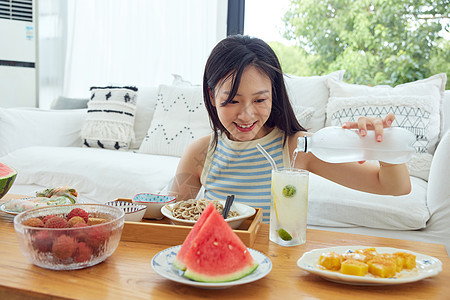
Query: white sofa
{"points": [[45, 146]]}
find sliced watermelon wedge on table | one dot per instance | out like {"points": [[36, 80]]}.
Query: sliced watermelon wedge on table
{"points": [[212, 252], [179, 260], [7, 177]]}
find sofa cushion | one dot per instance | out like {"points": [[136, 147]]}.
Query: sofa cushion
{"points": [[69, 103], [334, 205], [23, 127], [445, 112], [145, 109], [98, 174], [311, 91], [416, 106], [438, 192], [180, 118], [304, 114], [110, 120]]}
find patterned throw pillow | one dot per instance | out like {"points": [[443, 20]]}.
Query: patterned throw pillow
{"points": [[180, 118], [416, 107], [412, 113], [111, 113], [303, 115]]}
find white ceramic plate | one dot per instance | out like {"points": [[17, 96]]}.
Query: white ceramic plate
{"points": [[162, 263], [3, 209], [426, 266], [244, 211]]}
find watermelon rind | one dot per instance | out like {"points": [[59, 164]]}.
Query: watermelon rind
{"points": [[217, 254], [7, 177], [178, 262], [223, 278]]}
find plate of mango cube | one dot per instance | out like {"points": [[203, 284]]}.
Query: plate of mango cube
{"points": [[362, 265]]}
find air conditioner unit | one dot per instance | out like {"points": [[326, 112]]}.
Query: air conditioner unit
{"points": [[18, 73]]}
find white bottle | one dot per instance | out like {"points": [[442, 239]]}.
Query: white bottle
{"points": [[339, 145]]}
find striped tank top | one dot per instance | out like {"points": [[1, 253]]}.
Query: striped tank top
{"points": [[238, 168]]}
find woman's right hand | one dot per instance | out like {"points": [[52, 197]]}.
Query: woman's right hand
{"points": [[367, 123]]}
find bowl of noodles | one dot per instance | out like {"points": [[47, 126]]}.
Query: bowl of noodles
{"points": [[187, 212]]}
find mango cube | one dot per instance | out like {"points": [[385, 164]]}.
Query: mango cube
{"points": [[398, 260], [409, 260], [363, 261], [330, 260], [354, 267], [354, 256], [369, 253], [383, 268]]}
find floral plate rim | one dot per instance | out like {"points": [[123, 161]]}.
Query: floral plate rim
{"points": [[162, 263]]}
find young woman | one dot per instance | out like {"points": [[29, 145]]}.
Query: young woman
{"points": [[247, 103]]}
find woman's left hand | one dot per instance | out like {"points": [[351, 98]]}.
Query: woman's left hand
{"points": [[366, 123]]}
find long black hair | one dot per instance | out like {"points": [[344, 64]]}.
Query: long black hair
{"points": [[228, 59]]}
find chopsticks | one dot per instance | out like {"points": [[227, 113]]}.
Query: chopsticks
{"points": [[227, 207]]}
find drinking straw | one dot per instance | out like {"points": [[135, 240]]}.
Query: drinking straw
{"points": [[267, 155]]}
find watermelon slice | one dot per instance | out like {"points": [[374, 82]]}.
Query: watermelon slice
{"points": [[179, 260], [7, 177], [217, 254]]}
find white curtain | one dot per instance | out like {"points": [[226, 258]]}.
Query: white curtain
{"points": [[138, 42], [52, 45]]}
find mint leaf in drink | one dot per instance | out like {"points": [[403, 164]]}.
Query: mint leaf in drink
{"points": [[289, 190]]}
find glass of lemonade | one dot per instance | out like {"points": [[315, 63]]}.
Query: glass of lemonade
{"points": [[288, 206]]}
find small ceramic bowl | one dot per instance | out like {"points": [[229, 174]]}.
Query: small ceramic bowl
{"points": [[133, 212], [154, 203]]}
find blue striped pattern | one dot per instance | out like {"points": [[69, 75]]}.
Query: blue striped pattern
{"points": [[238, 168]]}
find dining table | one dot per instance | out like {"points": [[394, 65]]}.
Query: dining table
{"points": [[128, 273]]}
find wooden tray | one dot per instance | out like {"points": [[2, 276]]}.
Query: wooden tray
{"points": [[166, 233]]}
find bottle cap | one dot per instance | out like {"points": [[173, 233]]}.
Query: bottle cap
{"points": [[302, 144]]}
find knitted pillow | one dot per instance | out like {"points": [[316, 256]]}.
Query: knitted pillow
{"points": [[180, 118], [110, 119]]}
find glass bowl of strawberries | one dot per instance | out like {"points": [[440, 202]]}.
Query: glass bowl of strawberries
{"points": [[68, 237]]}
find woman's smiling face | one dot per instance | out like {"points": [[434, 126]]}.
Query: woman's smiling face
{"points": [[244, 117]]}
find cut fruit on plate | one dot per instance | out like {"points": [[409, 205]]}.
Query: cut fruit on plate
{"points": [[212, 252], [216, 253], [212, 255], [162, 263], [426, 266]]}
